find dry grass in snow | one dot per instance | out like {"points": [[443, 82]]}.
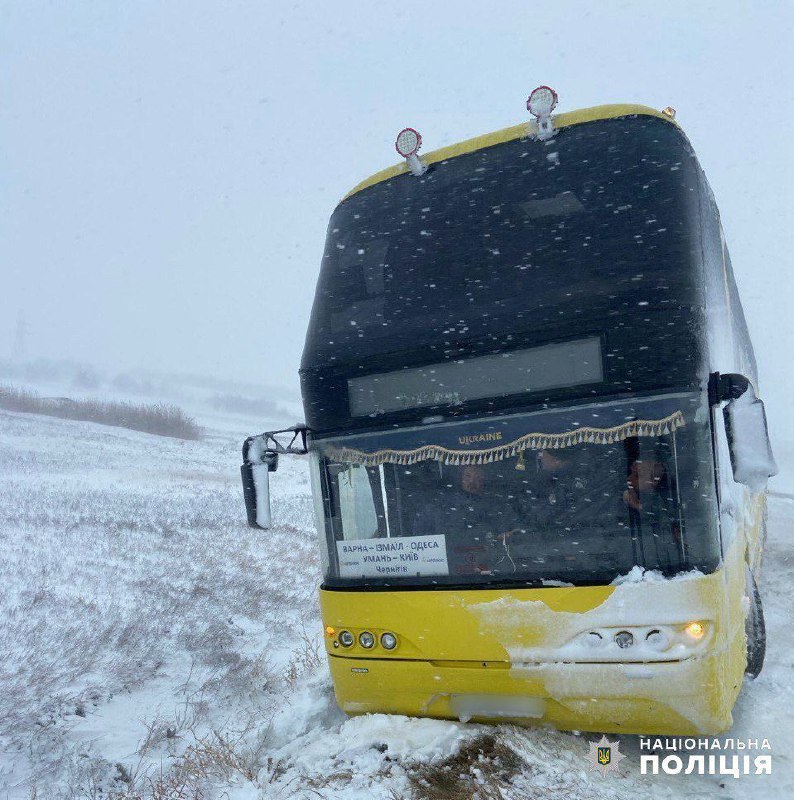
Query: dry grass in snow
{"points": [[161, 419]]}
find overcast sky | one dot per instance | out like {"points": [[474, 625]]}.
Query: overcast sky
{"points": [[168, 168]]}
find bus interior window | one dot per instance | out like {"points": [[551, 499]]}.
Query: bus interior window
{"points": [[353, 504], [332, 473], [373, 475], [651, 502], [416, 487], [393, 497]]}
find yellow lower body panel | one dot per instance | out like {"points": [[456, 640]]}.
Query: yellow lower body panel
{"points": [[673, 698], [514, 655]]}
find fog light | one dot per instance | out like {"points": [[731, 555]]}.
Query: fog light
{"points": [[389, 641], [695, 630], [624, 639], [366, 640], [594, 639], [346, 638]]}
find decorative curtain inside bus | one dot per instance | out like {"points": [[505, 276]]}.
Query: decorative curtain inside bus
{"points": [[477, 450]]}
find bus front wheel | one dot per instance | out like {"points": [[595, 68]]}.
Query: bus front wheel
{"points": [[756, 631]]}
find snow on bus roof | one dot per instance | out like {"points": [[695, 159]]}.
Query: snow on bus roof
{"points": [[566, 119]]}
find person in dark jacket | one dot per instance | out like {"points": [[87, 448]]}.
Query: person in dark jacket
{"points": [[571, 507], [462, 513]]}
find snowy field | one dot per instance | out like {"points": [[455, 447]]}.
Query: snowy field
{"points": [[155, 646]]}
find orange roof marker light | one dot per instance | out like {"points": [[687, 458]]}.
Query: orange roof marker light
{"points": [[540, 103], [407, 145]]}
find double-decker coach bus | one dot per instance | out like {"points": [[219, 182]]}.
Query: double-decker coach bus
{"points": [[538, 458]]}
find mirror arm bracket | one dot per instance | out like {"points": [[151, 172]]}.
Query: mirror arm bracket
{"points": [[265, 448], [726, 386]]}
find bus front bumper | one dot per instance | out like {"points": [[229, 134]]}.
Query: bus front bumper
{"points": [[676, 698]]}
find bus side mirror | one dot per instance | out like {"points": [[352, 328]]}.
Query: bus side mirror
{"points": [[260, 458], [255, 473], [748, 438]]}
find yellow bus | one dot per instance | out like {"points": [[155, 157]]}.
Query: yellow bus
{"points": [[537, 454]]}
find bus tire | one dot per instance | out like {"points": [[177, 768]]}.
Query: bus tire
{"points": [[756, 631]]}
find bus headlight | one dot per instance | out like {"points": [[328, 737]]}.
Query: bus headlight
{"points": [[346, 639], [594, 639], [624, 639], [366, 640], [389, 641], [638, 643], [658, 639]]}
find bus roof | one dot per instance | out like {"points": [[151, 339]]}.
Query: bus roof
{"points": [[514, 132]]}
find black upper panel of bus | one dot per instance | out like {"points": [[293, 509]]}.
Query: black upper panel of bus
{"points": [[526, 243]]}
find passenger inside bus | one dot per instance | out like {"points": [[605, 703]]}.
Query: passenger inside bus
{"points": [[465, 512], [568, 506], [460, 504]]}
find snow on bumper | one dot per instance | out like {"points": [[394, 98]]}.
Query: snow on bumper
{"points": [[684, 697]]}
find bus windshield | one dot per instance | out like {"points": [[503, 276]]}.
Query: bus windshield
{"points": [[580, 495]]}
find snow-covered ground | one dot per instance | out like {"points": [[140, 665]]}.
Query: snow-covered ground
{"points": [[151, 641]]}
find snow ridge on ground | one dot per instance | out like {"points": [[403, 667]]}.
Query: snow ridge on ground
{"points": [[155, 646]]}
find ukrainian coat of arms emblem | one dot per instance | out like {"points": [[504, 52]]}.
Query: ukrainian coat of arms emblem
{"points": [[605, 756]]}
